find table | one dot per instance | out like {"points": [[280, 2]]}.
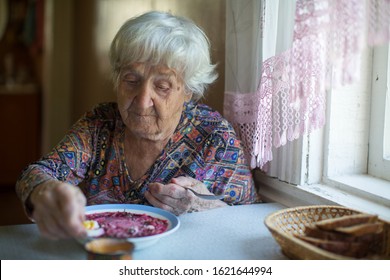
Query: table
{"points": [[228, 233]]}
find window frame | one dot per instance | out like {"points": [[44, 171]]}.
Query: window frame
{"points": [[379, 158]]}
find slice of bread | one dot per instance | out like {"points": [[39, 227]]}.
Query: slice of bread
{"points": [[356, 236], [346, 221], [361, 229], [350, 249]]}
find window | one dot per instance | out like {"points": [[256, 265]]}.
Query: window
{"points": [[379, 142], [356, 139], [354, 142], [347, 161]]}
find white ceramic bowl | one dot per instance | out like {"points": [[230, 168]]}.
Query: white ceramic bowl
{"points": [[139, 242]]}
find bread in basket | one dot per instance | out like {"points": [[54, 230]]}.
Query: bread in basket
{"points": [[285, 225]]}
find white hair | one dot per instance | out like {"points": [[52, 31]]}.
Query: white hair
{"points": [[162, 38]]}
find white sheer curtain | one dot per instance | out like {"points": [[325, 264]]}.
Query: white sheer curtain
{"points": [[281, 56], [257, 31]]}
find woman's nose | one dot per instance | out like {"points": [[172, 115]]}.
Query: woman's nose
{"points": [[144, 96]]}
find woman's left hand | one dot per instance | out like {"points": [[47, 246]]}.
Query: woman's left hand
{"points": [[174, 198]]}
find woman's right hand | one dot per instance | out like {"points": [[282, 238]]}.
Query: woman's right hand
{"points": [[58, 210]]}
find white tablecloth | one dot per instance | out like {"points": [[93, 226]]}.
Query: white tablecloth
{"points": [[229, 233]]}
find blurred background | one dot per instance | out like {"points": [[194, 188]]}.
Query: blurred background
{"points": [[54, 66]]}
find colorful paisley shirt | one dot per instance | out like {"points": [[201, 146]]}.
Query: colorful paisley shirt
{"points": [[204, 146]]}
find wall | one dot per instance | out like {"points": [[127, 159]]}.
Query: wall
{"points": [[57, 82]]}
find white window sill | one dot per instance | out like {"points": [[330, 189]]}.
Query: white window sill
{"points": [[330, 193], [364, 186]]}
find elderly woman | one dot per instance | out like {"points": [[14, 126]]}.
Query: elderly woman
{"points": [[144, 149]]}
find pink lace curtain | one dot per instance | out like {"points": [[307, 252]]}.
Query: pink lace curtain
{"points": [[275, 94]]}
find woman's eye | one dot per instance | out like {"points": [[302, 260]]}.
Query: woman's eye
{"points": [[163, 87], [130, 79], [132, 82]]}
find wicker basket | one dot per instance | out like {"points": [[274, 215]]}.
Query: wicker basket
{"points": [[285, 223]]}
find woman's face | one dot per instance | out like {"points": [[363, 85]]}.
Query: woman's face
{"points": [[150, 100]]}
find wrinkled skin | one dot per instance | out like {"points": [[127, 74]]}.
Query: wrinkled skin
{"points": [[58, 210], [178, 200]]}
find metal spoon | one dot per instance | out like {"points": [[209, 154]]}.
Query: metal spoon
{"points": [[206, 196]]}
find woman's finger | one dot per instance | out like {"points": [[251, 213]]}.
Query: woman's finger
{"points": [[169, 190], [184, 181], [59, 210], [177, 200], [72, 206], [192, 183], [157, 203], [49, 227]]}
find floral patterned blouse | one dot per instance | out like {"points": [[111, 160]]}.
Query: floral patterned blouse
{"points": [[204, 146]]}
